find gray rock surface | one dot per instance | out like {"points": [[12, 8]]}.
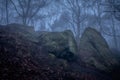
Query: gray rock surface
{"points": [[94, 50], [61, 44]]}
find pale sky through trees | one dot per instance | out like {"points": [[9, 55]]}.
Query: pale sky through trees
{"points": [[59, 15]]}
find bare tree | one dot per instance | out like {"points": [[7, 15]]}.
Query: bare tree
{"points": [[5, 13], [27, 9], [77, 15], [99, 15], [112, 11], [115, 4], [1, 11]]}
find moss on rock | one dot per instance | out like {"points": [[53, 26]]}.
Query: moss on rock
{"points": [[61, 44], [95, 50]]}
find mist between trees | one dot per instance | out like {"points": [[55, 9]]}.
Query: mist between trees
{"points": [[59, 15]]}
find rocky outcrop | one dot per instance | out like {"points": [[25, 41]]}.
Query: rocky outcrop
{"points": [[94, 50], [61, 44], [22, 58], [29, 55]]}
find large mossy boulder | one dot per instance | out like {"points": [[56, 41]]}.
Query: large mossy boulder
{"points": [[94, 50], [61, 44]]}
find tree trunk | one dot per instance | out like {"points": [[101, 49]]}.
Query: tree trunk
{"points": [[7, 11], [114, 33]]}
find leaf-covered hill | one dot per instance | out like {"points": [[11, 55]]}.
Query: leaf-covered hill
{"points": [[23, 57]]}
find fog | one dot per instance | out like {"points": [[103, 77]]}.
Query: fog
{"points": [[59, 39], [59, 15]]}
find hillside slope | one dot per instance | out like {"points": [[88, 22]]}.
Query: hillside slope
{"points": [[23, 57]]}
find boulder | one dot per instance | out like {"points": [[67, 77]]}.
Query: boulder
{"points": [[61, 44], [94, 50]]}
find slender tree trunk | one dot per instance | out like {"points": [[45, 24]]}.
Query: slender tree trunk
{"points": [[78, 33], [7, 11], [24, 20], [114, 33], [99, 19]]}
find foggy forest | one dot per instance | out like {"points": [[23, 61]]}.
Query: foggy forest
{"points": [[59, 40]]}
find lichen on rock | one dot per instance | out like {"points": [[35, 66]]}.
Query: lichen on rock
{"points": [[95, 51], [61, 44]]}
